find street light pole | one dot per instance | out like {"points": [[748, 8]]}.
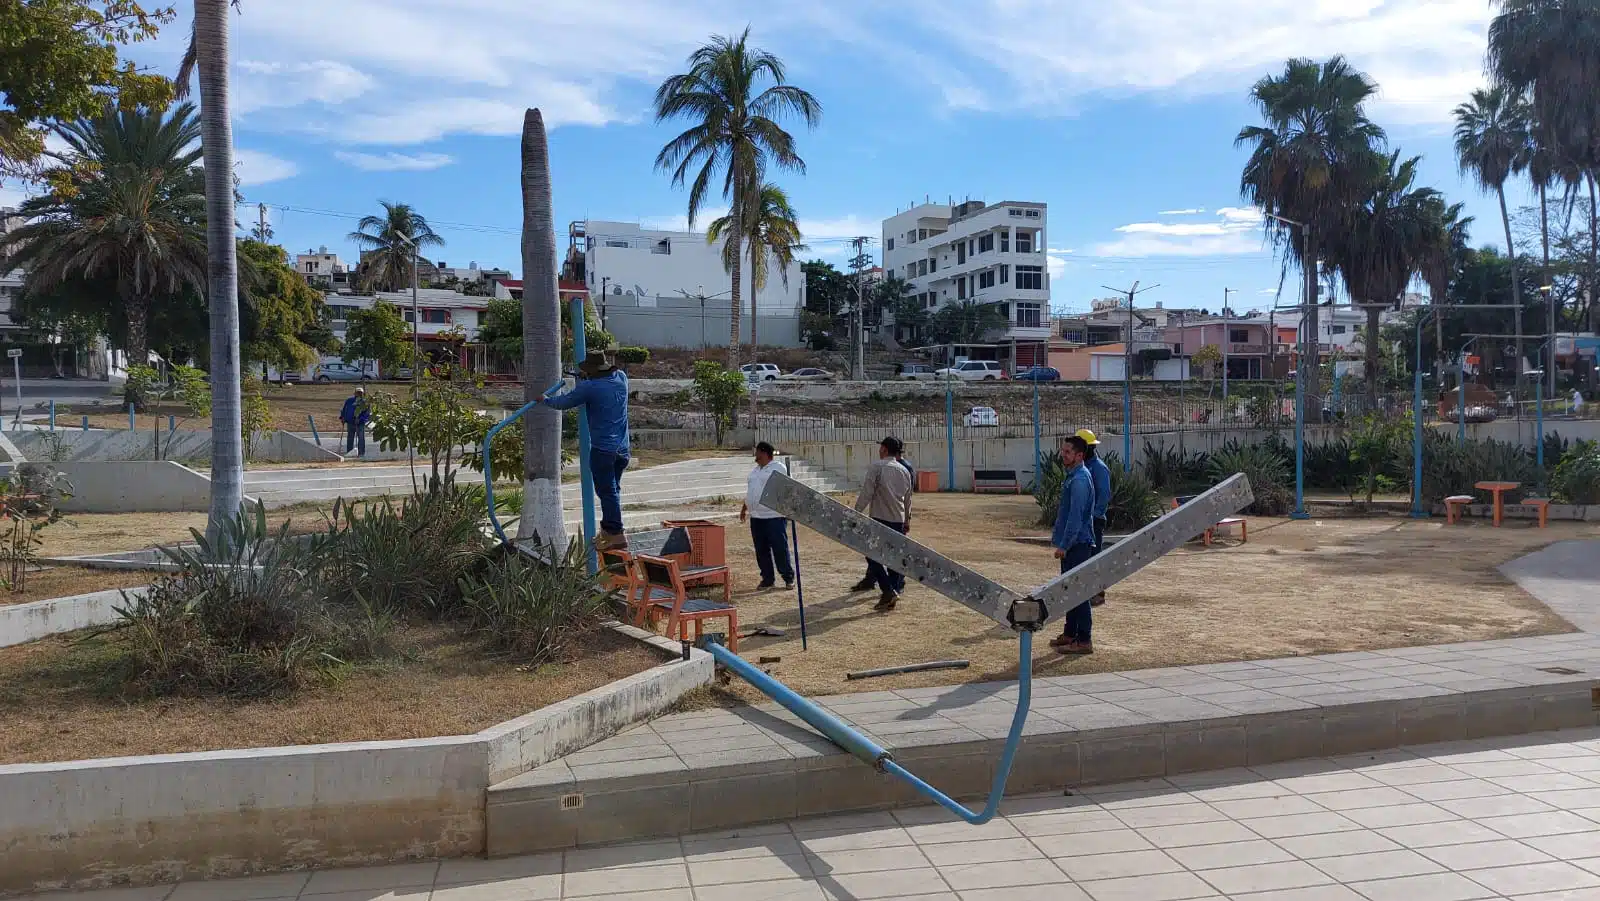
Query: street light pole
{"points": [[1227, 338], [416, 313]]}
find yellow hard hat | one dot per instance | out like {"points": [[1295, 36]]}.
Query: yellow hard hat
{"points": [[1087, 436]]}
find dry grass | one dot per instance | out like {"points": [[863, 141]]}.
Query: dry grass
{"points": [[93, 533], [1312, 587], [59, 698], [65, 581], [290, 404]]}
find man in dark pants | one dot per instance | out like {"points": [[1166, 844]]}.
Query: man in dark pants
{"points": [[769, 530], [1073, 540], [355, 416], [886, 497], [602, 389], [1100, 477], [868, 582]]}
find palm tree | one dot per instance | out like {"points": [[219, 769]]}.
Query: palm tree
{"points": [[1448, 234], [134, 217], [1385, 242], [966, 321], [1492, 144], [388, 261], [1307, 163], [734, 130], [541, 346]]}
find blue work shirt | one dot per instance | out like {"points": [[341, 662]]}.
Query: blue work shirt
{"points": [[605, 398], [355, 411], [1074, 516], [1100, 476]]}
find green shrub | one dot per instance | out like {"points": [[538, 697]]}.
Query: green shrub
{"points": [[1328, 467], [1577, 478], [240, 617], [1450, 468], [1168, 469], [627, 356], [1263, 464], [533, 610], [1047, 487], [1134, 501], [406, 557]]}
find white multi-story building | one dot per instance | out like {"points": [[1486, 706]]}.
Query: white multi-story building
{"points": [[992, 253], [323, 269], [623, 258], [470, 274]]}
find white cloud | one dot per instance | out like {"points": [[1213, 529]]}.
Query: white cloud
{"points": [[394, 162], [264, 85], [1189, 212], [258, 168], [1236, 230]]}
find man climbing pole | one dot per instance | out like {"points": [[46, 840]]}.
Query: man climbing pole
{"points": [[602, 389]]}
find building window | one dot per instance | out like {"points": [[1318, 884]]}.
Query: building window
{"points": [[1338, 330], [1238, 336], [986, 279], [891, 244], [961, 288], [1024, 242], [986, 243], [1030, 315], [1016, 213], [933, 264], [1030, 278], [616, 243], [1033, 214], [961, 253], [663, 246], [922, 234], [1005, 274], [1005, 241], [922, 268]]}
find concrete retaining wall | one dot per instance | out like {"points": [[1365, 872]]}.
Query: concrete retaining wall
{"points": [[134, 487], [21, 623], [110, 445], [145, 820]]}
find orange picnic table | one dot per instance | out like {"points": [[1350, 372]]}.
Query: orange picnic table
{"points": [[1498, 489]]}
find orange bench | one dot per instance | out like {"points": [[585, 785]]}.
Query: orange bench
{"points": [[1226, 522], [1542, 504], [1454, 504]]}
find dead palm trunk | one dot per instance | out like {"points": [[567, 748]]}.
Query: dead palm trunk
{"points": [[1516, 286], [1553, 311], [737, 237], [755, 352], [1372, 357], [222, 265], [541, 343], [1594, 255]]}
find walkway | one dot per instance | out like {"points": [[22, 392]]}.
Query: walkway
{"points": [[1515, 818]]}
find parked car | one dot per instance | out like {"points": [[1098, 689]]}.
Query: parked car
{"points": [[808, 374], [973, 371], [981, 417], [760, 372], [1039, 374], [341, 372], [916, 372], [403, 373]]}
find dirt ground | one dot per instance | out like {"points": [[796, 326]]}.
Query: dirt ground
{"points": [[64, 581], [1319, 586], [92, 533], [289, 405], [59, 700]]}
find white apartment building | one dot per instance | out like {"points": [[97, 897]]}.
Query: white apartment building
{"points": [[470, 274], [323, 269], [970, 251], [622, 258]]}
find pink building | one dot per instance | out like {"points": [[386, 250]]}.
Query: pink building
{"points": [[1245, 342]]}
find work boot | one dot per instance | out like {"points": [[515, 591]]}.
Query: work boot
{"points": [[765, 586], [608, 541], [1098, 600], [866, 584], [788, 585], [1061, 640], [1075, 648], [886, 602]]}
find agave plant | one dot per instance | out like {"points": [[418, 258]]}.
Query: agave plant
{"points": [[1263, 465]]}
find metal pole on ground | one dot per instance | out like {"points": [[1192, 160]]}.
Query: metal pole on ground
{"points": [[1127, 424], [132, 425], [1461, 393], [1300, 440], [1038, 459], [799, 586], [1538, 417], [86, 422], [1416, 428], [580, 349], [52, 414], [312, 421]]}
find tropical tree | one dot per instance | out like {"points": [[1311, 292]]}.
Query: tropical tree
{"points": [[129, 217], [1442, 259], [1307, 162], [734, 130], [286, 315], [1385, 241], [772, 233], [965, 322], [388, 244], [541, 342], [1492, 144]]}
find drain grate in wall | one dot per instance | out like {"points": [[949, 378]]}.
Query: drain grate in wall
{"points": [[572, 802], [1560, 671]]}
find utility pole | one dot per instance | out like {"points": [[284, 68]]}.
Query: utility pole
{"points": [[262, 233], [1127, 376], [859, 263], [604, 281], [1227, 338]]}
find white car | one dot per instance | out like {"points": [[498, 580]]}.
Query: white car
{"points": [[808, 374], [760, 372], [916, 372], [974, 371], [341, 372], [981, 417]]}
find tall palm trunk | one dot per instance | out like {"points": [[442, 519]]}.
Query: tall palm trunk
{"points": [[1594, 256], [541, 343], [1372, 357], [137, 306], [737, 271], [755, 351], [1311, 340], [222, 265], [1516, 285]]}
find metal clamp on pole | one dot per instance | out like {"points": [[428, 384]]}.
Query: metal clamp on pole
{"points": [[488, 457], [1027, 614]]}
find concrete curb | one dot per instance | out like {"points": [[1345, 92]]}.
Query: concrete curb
{"points": [[22, 623], [160, 818]]}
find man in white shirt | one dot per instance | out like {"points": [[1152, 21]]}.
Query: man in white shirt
{"points": [[769, 530]]}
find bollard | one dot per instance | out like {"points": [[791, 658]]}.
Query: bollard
{"points": [[52, 415], [312, 421], [86, 422], [132, 424]]}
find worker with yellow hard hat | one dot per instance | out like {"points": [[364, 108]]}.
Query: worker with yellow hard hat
{"points": [[1100, 479]]}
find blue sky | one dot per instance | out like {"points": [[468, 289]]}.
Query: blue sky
{"points": [[1120, 115]]}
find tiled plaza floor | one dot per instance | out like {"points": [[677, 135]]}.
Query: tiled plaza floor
{"points": [[1515, 818]]}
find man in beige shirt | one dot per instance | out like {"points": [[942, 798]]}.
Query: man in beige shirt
{"points": [[886, 497]]}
